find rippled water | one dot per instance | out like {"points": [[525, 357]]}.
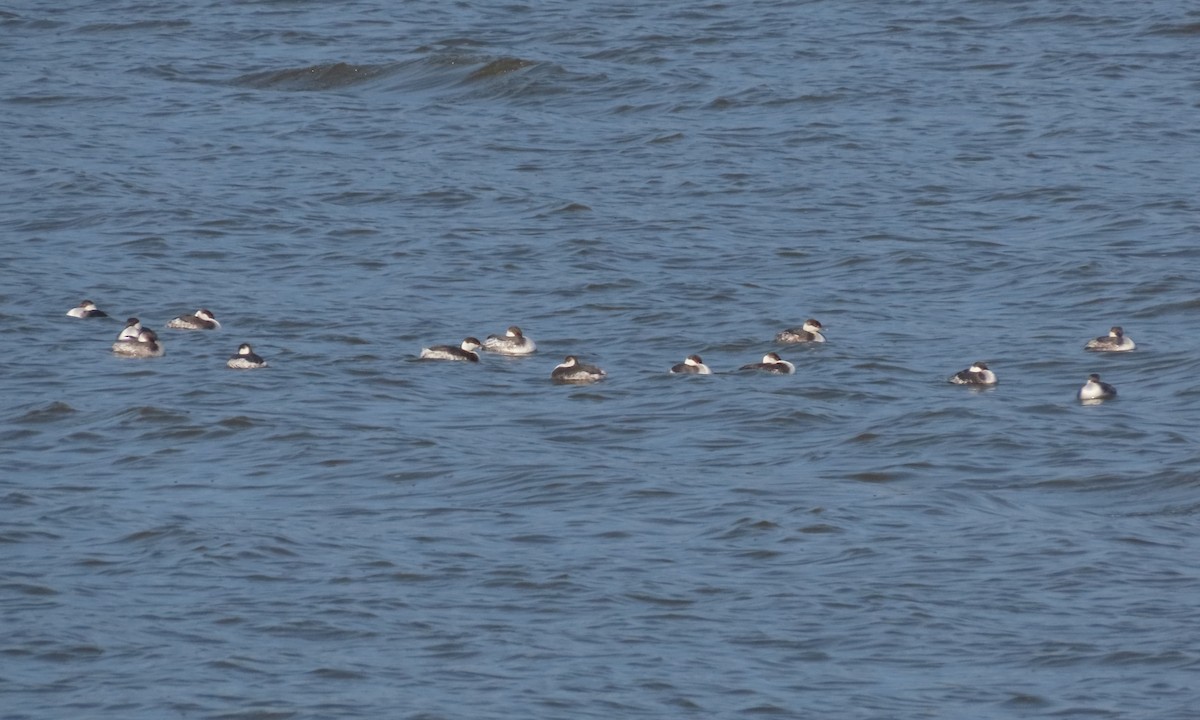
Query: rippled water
{"points": [[355, 533]]}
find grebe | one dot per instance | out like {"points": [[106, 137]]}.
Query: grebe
{"points": [[1093, 389], [571, 370], [772, 363], [86, 309], [132, 328], [246, 359], [1114, 341], [465, 351], [512, 342], [146, 345], [202, 320], [810, 331], [977, 374], [692, 365]]}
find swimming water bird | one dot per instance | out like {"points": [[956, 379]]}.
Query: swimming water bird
{"points": [[772, 363], [1093, 389], [132, 328], [810, 331], [570, 370], [692, 365], [512, 342], [202, 320], [146, 345], [86, 309], [465, 351], [977, 374], [1114, 341], [246, 359]]}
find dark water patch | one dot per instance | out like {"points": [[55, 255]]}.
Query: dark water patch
{"points": [[521, 82], [51, 413], [747, 527], [151, 246], [207, 254], [153, 535], [1024, 700], [85, 440], [13, 436], [659, 601], [150, 414], [80, 221], [1181, 29], [877, 476], [409, 577], [337, 674], [27, 589], [666, 139], [349, 340], [313, 78], [820, 529], [67, 100], [141, 25], [236, 665], [360, 197], [454, 42], [100, 564], [1129, 657], [255, 714], [239, 422], [768, 710], [497, 67], [16, 499]]}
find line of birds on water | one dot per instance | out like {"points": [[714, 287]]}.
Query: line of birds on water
{"points": [[1094, 390], [142, 342], [137, 341]]}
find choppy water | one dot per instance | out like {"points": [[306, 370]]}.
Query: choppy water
{"points": [[353, 533]]}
